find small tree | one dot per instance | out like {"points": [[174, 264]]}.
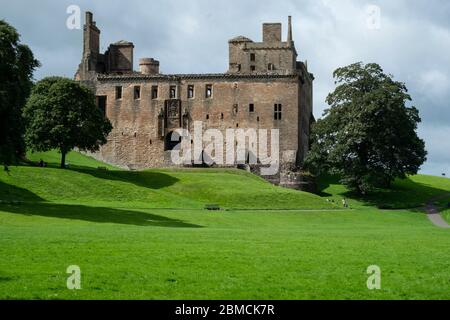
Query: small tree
{"points": [[62, 114], [368, 135], [17, 64]]}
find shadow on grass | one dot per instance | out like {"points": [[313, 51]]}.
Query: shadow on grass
{"points": [[13, 193], [95, 214], [147, 179], [323, 182], [4, 279], [404, 194]]}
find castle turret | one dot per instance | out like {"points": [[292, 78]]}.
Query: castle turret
{"points": [[148, 66]]}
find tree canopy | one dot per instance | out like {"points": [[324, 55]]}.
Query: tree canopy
{"points": [[17, 65], [368, 135], [62, 114]]}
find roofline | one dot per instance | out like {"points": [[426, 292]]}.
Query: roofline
{"points": [[175, 77]]}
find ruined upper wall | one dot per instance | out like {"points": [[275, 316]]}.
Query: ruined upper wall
{"points": [[271, 32], [117, 59], [272, 55], [91, 36], [120, 57]]}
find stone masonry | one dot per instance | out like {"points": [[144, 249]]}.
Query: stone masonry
{"points": [[145, 106]]}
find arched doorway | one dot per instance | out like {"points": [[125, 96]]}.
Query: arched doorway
{"points": [[171, 140]]}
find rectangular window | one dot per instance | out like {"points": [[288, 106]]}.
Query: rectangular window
{"points": [[101, 103], [277, 112], [173, 92], [252, 57], [118, 93], [137, 92], [208, 91], [154, 92], [190, 91], [251, 107], [239, 67], [252, 68]]}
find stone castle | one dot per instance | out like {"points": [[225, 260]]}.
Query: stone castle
{"points": [[265, 87]]}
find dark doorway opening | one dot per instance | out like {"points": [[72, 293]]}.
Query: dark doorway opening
{"points": [[171, 141]]}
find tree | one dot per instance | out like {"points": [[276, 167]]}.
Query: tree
{"points": [[17, 64], [368, 135], [62, 114]]}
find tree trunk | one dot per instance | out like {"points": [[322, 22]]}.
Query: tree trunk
{"points": [[63, 159], [389, 184]]}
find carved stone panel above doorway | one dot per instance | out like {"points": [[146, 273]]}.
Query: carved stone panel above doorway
{"points": [[173, 114]]}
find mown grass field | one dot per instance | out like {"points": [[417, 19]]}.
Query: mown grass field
{"points": [[145, 235]]}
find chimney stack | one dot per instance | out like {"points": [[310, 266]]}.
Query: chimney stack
{"points": [[148, 66], [289, 36], [88, 18]]}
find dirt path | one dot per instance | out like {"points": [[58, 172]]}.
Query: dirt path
{"points": [[434, 215]]}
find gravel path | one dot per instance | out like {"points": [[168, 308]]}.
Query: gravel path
{"points": [[434, 216]]}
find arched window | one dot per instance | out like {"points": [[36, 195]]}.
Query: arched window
{"points": [[270, 66]]}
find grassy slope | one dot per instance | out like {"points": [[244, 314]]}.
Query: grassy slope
{"points": [[131, 249], [446, 214], [412, 192], [190, 188]]}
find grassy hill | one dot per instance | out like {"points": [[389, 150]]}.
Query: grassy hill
{"points": [[84, 183], [412, 192], [145, 235]]}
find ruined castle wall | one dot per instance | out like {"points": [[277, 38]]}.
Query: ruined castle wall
{"points": [[136, 143], [304, 119], [279, 55], [120, 58]]}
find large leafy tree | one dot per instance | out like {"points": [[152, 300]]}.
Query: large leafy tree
{"points": [[17, 64], [62, 114], [368, 135]]}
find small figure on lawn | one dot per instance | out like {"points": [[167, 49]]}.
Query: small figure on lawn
{"points": [[344, 203], [6, 169]]}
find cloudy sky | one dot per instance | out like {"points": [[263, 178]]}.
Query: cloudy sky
{"points": [[409, 39]]}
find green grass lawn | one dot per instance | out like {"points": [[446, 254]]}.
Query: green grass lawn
{"points": [[145, 235], [412, 192]]}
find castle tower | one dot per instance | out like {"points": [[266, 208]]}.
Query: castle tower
{"points": [[272, 55], [148, 66]]}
